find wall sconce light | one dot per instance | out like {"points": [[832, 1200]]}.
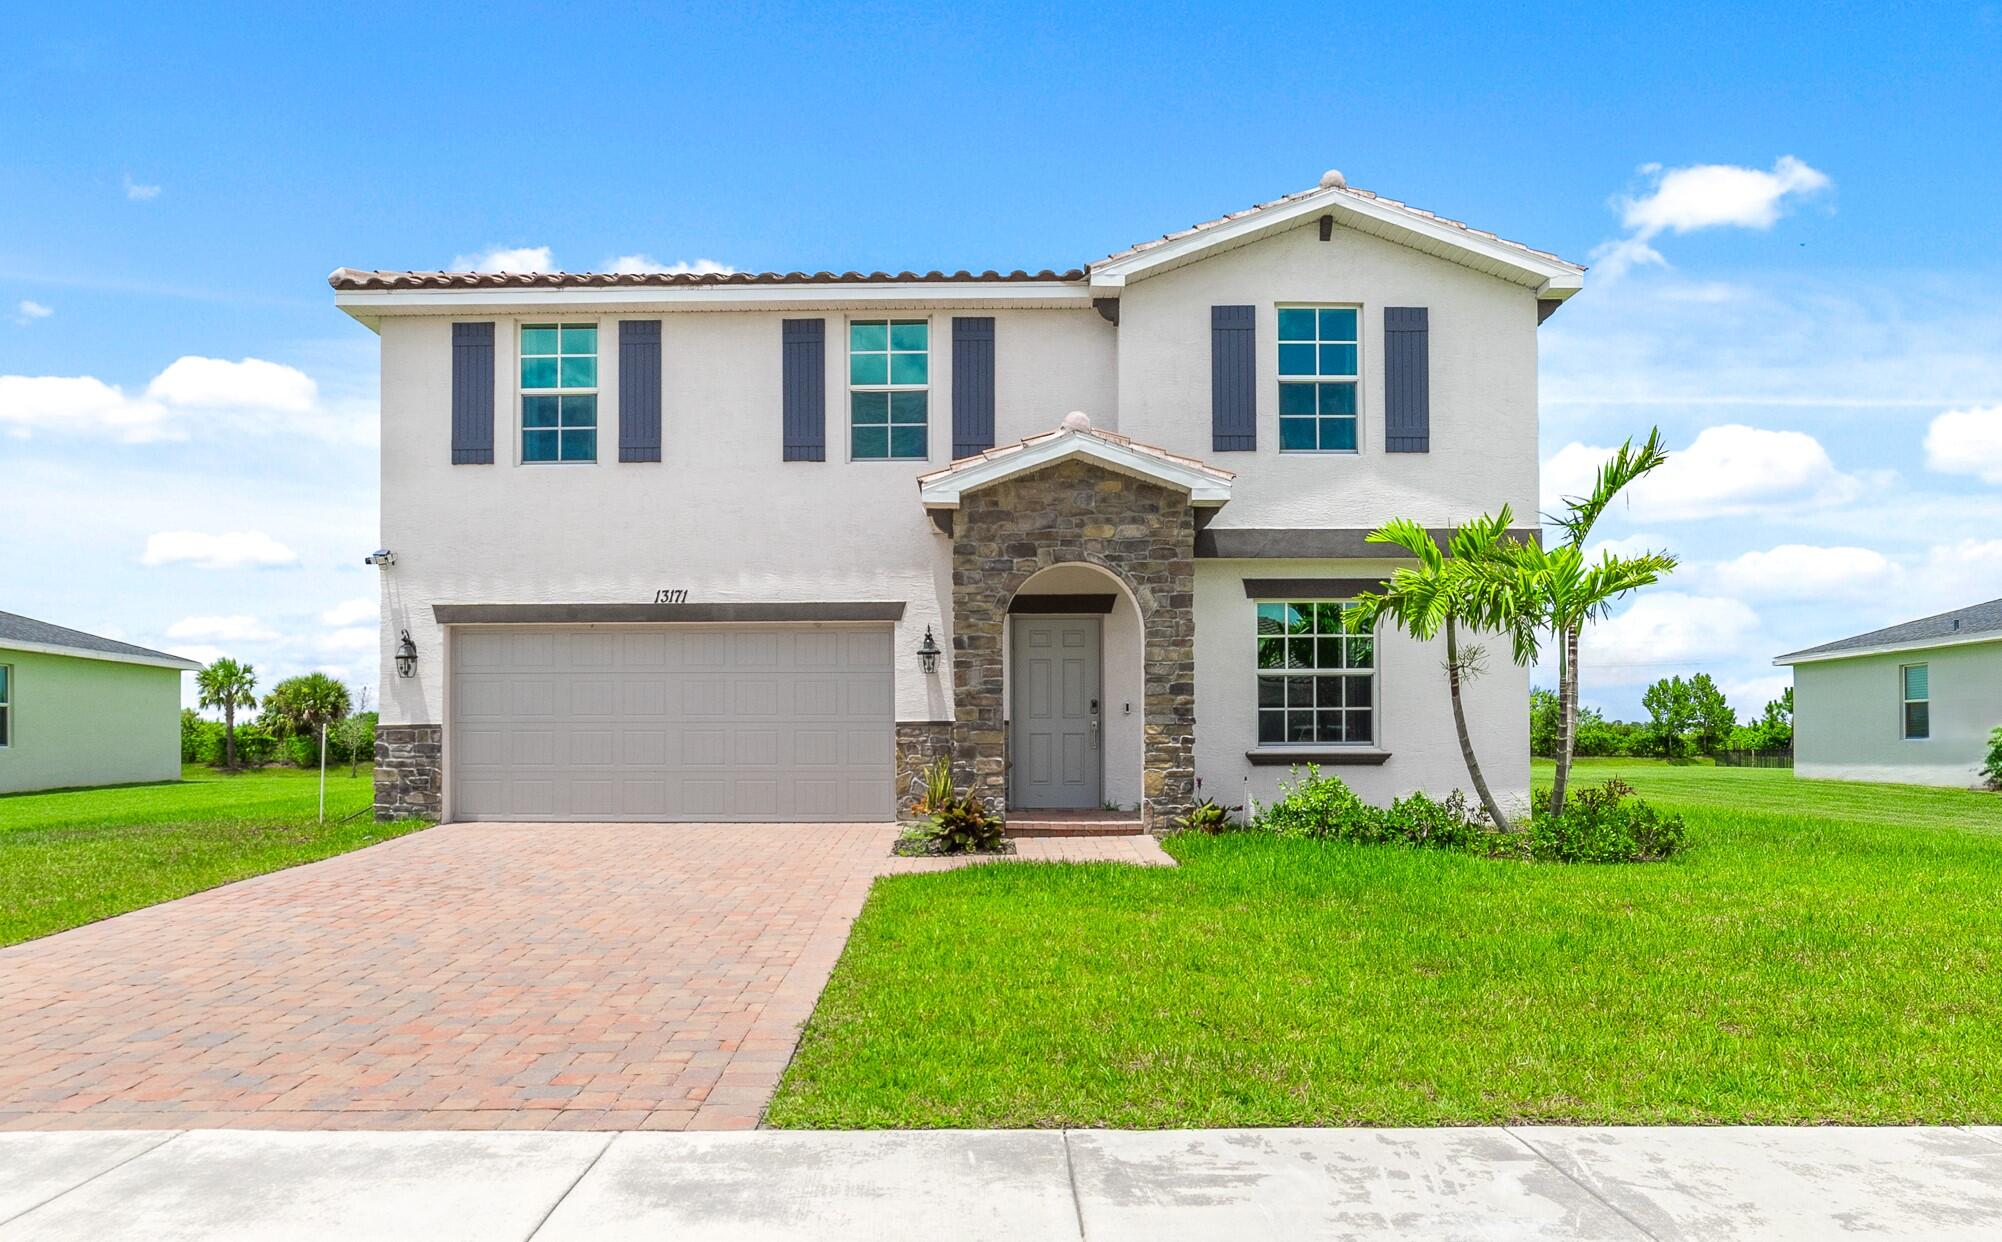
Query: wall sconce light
{"points": [[406, 657], [928, 651]]}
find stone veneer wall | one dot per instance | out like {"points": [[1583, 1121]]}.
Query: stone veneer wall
{"points": [[1077, 512], [919, 744], [409, 777]]}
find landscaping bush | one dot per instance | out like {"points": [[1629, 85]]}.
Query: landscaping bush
{"points": [[254, 746], [955, 821], [1208, 817], [201, 740], [1603, 824], [1992, 766]]}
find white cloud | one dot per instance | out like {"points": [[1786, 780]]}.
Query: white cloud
{"points": [[199, 653], [31, 403], [1798, 571], [1703, 196], [504, 259], [140, 193], [216, 383], [1665, 632], [350, 612], [635, 264], [1725, 470], [352, 638], [1749, 695], [233, 629], [28, 311], [244, 549], [1967, 442], [1954, 575], [1627, 545]]}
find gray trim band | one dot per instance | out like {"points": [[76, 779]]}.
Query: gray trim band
{"points": [[1058, 605], [584, 614], [1311, 543], [1309, 588], [1336, 757]]}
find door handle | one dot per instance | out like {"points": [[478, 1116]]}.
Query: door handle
{"points": [[1094, 724]]}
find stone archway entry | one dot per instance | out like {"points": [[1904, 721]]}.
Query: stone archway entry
{"points": [[1077, 495]]}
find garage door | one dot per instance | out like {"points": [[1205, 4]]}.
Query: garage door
{"points": [[671, 723]]}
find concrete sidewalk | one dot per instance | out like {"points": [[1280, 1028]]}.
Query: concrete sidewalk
{"points": [[1158, 1186]]}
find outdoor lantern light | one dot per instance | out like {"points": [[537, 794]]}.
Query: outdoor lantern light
{"points": [[406, 657], [928, 653]]}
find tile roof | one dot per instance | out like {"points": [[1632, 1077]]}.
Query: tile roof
{"points": [[1962, 623], [1005, 451], [348, 278], [19, 629]]}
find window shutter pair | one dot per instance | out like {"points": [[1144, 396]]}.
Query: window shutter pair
{"points": [[803, 346], [473, 392], [1407, 385]]}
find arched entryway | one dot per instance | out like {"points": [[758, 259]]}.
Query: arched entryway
{"points": [[1074, 676]]}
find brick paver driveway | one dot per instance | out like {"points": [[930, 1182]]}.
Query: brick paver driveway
{"points": [[475, 975]]}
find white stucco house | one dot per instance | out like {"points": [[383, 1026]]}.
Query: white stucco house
{"points": [[756, 546], [78, 709], [1911, 703]]}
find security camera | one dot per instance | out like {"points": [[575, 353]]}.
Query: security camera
{"points": [[381, 558]]}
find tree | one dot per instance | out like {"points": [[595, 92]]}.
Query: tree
{"points": [[1776, 725], [229, 686], [1559, 590], [1672, 713], [356, 734], [1442, 593], [1543, 722], [305, 704], [1714, 718]]}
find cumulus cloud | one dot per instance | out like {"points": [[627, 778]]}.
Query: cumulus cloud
{"points": [[249, 394], [200, 653], [78, 403], [504, 259], [350, 612], [1703, 196], [1663, 631], [637, 264], [351, 638], [140, 193], [28, 311], [1798, 571], [1967, 442], [251, 383], [1726, 470], [244, 549], [231, 629]]}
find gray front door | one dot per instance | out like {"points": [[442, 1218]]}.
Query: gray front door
{"points": [[1053, 744]]}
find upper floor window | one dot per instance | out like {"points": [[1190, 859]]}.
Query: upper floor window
{"points": [[1316, 678], [889, 369], [559, 392], [1918, 702], [6, 705], [1318, 361]]}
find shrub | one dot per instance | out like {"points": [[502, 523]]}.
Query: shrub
{"points": [[1606, 823], [954, 822], [1208, 817], [201, 740], [254, 745], [1992, 766]]}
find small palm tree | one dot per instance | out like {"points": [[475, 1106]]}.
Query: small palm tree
{"points": [[306, 704], [1443, 592], [228, 685]]}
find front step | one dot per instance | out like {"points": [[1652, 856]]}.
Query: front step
{"points": [[1072, 824]]}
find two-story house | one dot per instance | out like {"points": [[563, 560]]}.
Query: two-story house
{"points": [[758, 546]]}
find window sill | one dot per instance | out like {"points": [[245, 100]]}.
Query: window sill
{"points": [[1330, 756]]}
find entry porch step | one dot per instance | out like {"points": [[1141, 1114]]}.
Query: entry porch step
{"points": [[1074, 824]]}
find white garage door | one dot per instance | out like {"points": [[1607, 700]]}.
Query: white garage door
{"points": [[678, 722]]}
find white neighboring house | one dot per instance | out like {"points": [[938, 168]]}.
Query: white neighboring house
{"points": [[756, 546], [1913, 703]]}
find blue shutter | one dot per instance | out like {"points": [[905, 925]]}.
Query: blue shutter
{"points": [[639, 390], [1407, 380], [472, 394], [972, 384], [805, 383], [1233, 379]]}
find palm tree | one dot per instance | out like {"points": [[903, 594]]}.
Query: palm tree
{"points": [[229, 686], [306, 703], [1443, 592]]}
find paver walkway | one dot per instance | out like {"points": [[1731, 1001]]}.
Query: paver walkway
{"points": [[474, 976]]}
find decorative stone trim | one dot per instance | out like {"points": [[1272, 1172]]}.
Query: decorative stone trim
{"points": [[920, 743], [409, 776]]}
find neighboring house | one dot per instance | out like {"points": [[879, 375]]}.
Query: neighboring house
{"points": [[76, 709], [1912, 703], [677, 546]]}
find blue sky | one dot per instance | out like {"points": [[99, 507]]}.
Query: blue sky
{"points": [[1803, 200]]}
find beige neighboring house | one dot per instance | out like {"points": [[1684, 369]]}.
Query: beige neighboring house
{"points": [[1912, 703], [76, 709]]}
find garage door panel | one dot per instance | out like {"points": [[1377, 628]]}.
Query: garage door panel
{"points": [[579, 723]]}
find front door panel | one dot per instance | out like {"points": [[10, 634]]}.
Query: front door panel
{"points": [[1053, 742]]}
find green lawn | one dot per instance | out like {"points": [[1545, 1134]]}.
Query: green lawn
{"points": [[1823, 952], [85, 854]]}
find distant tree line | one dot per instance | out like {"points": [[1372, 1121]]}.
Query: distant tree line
{"points": [[1685, 718], [297, 711]]}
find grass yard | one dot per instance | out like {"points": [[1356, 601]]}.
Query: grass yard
{"points": [[1823, 953], [81, 855]]}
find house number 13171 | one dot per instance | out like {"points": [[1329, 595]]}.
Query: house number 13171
{"points": [[671, 595]]}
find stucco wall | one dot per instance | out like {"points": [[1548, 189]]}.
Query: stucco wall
{"points": [[1414, 712], [1482, 344], [1847, 717], [89, 722]]}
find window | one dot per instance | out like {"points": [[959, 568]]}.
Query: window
{"points": [[559, 392], [1318, 361], [1316, 679], [889, 365], [1918, 705], [6, 706]]}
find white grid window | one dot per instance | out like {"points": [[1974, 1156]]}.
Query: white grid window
{"points": [[1316, 678], [1916, 683], [559, 392], [6, 706], [1320, 365], [889, 373]]}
